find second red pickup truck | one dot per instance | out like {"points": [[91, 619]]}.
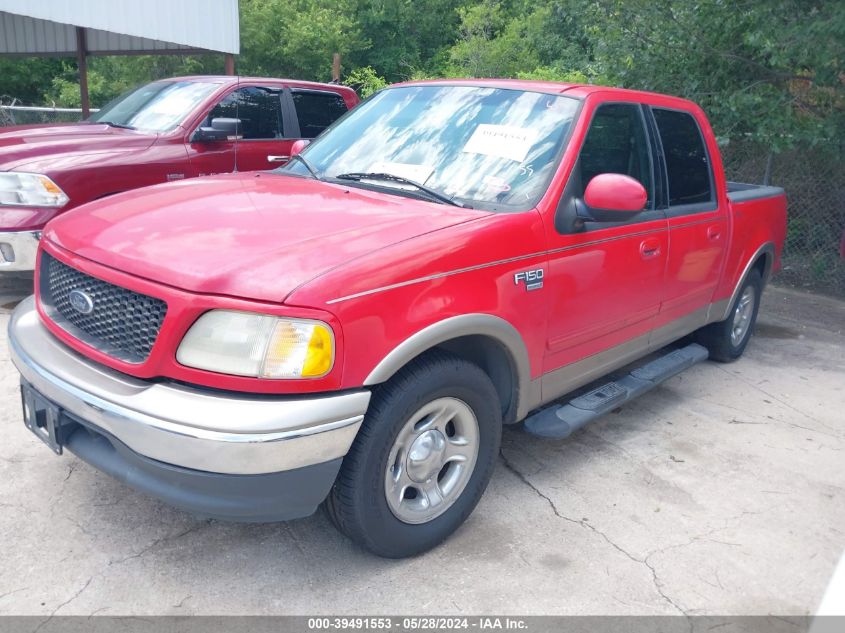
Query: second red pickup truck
{"points": [[356, 327], [164, 131]]}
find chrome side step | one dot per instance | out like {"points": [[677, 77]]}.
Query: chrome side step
{"points": [[562, 420]]}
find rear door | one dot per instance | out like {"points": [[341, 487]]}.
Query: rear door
{"points": [[315, 110], [698, 227], [605, 280]]}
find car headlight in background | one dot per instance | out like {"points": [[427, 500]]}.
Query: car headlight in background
{"points": [[30, 190], [258, 345]]}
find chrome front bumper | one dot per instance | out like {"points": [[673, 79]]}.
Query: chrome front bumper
{"points": [[191, 428], [18, 250]]}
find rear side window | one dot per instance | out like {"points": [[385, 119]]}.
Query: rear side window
{"points": [[686, 158], [259, 109], [317, 110]]}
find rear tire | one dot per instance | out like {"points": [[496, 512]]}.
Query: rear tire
{"points": [[422, 458], [726, 340]]}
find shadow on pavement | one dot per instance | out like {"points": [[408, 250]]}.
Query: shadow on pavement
{"points": [[13, 288]]}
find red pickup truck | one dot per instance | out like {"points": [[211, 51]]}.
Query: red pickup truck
{"points": [[357, 326], [164, 131]]}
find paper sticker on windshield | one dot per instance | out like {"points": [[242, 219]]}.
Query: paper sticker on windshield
{"points": [[497, 184], [417, 173], [505, 141]]}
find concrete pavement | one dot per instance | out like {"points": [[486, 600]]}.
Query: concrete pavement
{"points": [[721, 492]]}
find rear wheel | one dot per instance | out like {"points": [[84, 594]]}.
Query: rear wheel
{"points": [[422, 458], [726, 340]]}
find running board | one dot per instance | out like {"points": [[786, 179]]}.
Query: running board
{"points": [[562, 420]]}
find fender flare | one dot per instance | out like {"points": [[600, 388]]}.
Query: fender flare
{"points": [[767, 250], [475, 324]]}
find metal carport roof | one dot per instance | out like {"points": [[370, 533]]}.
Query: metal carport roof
{"points": [[118, 27]]}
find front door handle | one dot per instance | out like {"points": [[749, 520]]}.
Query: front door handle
{"points": [[714, 233], [649, 249], [277, 159]]}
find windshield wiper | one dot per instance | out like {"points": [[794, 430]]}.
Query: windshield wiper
{"points": [[442, 197], [118, 125], [305, 162]]}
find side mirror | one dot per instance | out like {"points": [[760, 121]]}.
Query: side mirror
{"points": [[298, 146], [221, 129], [614, 197]]}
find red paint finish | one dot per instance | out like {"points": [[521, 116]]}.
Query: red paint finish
{"points": [[615, 192], [90, 161], [232, 234], [380, 267]]}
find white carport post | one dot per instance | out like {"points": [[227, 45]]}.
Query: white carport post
{"points": [[118, 27]]}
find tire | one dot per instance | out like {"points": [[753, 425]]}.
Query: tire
{"points": [[405, 416], [723, 340]]}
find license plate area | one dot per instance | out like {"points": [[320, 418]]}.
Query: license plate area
{"points": [[42, 417]]}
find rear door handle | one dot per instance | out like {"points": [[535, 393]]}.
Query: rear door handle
{"points": [[649, 249], [714, 233], [277, 159]]}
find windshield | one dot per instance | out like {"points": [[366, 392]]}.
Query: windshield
{"points": [[156, 107], [488, 148]]}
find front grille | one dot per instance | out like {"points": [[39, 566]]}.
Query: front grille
{"points": [[122, 323]]}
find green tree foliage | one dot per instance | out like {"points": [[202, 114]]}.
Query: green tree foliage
{"points": [[108, 77], [770, 70], [406, 37], [365, 81], [540, 40], [296, 38], [26, 79]]}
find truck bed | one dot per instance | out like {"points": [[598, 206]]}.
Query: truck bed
{"points": [[741, 192]]}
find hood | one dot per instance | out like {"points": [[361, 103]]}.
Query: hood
{"points": [[25, 144], [256, 236]]}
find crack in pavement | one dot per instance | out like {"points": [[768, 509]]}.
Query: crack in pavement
{"points": [[646, 561], [63, 604], [120, 561], [14, 591], [77, 525], [832, 432], [182, 601], [658, 584], [71, 468], [170, 537]]}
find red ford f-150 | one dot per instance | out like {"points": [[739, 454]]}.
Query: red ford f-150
{"points": [[356, 327], [164, 131]]}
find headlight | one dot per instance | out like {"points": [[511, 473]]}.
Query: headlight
{"points": [[30, 190], [259, 345]]}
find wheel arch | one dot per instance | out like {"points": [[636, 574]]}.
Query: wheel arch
{"points": [[484, 339], [763, 260]]}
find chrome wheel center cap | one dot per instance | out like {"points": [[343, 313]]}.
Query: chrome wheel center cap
{"points": [[425, 457]]}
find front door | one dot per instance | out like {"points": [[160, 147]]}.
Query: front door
{"points": [[262, 143], [605, 280]]}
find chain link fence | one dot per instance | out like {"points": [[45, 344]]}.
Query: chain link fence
{"points": [[814, 180], [12, 112]]}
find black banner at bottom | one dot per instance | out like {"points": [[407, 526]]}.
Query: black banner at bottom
{"points": [[433, 623]]}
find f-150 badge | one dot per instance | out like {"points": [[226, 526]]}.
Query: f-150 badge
{"points": [[533, 279]]}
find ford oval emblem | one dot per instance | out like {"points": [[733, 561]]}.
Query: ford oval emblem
{"points": [[81, 302]]}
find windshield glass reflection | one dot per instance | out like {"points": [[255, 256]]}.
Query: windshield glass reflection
{"points": [[491, 148], [156, 107]]}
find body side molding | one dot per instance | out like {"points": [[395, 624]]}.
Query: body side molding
{"points": [[562, 381], [454, 327]]}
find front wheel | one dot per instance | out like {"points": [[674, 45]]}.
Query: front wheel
{"points": [[726, 340], [422, 458]]}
